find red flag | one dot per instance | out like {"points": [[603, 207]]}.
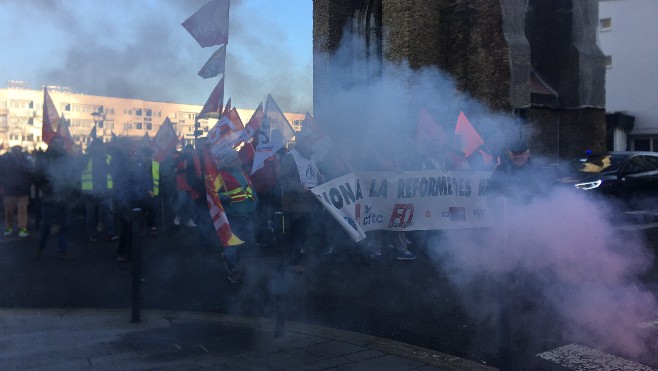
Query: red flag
{"points": [[470, 140], [254, 122], [209, 25], [215, 65], [165, 140], [430, 131], [214, 183], [215, 100], [63, 131], [246, 154], [50, 118], [227, 109]]}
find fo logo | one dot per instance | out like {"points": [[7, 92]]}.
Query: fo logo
{"points": [[402, 216]]}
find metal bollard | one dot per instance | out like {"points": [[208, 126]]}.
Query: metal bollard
{"points": [[136, 260], [281, 295]]}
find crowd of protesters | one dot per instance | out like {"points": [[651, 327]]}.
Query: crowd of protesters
{"points": [[111, 180]]}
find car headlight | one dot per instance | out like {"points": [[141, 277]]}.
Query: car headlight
{"points": [[588, 185]]}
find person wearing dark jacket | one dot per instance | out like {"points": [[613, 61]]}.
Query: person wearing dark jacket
{"points": [[98, 191], [16, 181], [518, 176], [133, 189], [57, 173]]}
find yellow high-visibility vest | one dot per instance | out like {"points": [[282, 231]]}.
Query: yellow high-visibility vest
{"points": [[155, 172], [87, 183]]}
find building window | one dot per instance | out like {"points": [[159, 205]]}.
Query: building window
{"points": [[148, 112], [138, 125], [127, 111], [605, 24], [645, 144], [149, 126], [608, 61], [137, 111]]}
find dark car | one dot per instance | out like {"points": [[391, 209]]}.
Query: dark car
{"points": [[628, 176]]}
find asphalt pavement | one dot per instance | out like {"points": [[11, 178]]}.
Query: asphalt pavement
{"points": [[84, 313], [343, 313]]}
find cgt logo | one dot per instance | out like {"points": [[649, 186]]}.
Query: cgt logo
{"points": [[371, 218], [402, 216]]}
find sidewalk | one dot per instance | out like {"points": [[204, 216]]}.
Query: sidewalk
{"points": [[106, 339]]}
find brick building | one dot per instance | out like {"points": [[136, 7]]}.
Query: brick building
{"points": [[536, 61]]}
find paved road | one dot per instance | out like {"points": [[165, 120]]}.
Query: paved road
{"points": [[410, 302]]}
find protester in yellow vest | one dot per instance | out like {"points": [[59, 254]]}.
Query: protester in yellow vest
{"points": [[98, 191], [239, 201], [151, 168]]}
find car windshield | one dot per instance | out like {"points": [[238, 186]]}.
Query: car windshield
{"points": [[598, 163]]}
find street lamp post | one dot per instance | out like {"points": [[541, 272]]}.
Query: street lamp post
{"points": [[98, 118]]}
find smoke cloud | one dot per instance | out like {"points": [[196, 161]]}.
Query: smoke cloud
{"points": [[139, 50], [560, 261]]}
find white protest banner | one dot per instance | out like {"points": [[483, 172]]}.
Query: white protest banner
{"points": [[339, 197], [407, 201]]}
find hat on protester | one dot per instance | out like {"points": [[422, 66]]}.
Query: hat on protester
{"points": [[518, 145]]}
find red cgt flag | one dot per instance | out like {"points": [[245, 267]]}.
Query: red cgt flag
{"points": [[50, 118], [209, 25], [214, 183]]}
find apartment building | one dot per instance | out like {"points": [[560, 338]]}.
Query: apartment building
{"points": [[21, 116], [626, 29]]}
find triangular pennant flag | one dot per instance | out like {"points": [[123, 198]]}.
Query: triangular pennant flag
{"points": [[429, 133], [213, 183], [255, 121], [215, 100], [64, 132], [209, 25], [50, 118], [469, 139], [275, 132], [228, 107], [215, 65], [165, 140]]}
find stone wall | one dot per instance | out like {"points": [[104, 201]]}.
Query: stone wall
{"points": [[489, 49]]}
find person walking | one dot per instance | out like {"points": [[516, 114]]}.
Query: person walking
{"points": [[240, 202], [56, 174], [98, 191], [16, 181], [188, 170]]}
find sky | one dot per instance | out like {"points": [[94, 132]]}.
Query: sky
{"points": [[138, 49]]}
